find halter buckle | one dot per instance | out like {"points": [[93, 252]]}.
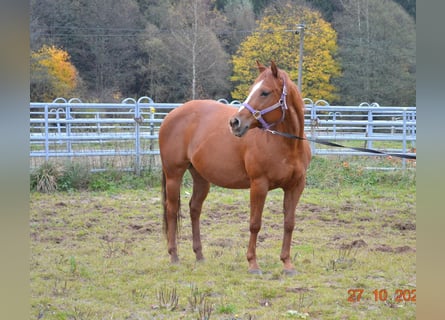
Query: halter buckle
{"points": [[256, 114]]}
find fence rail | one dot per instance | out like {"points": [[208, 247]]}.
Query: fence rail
{"points": [[124, 135]]}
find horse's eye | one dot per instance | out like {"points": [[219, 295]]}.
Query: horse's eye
{"points": [[265, 93]]}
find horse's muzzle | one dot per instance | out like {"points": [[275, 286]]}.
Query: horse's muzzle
{"points": [[237, 126]]}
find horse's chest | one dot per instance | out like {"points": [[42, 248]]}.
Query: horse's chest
{"points": [[277, 168], [285, 168]]}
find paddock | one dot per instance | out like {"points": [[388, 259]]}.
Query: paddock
{"points": [[102, 255]]}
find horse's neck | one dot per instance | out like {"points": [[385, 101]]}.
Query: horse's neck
{"points": [[294, 120]]}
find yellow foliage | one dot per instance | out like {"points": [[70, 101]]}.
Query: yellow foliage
{"points": [[274, 39], [52, 73]]}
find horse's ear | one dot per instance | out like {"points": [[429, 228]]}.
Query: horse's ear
{"points": [[274, 69], [261, 67]]}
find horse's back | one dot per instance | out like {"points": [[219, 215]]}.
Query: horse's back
{"points": [[197, 110], [185, 128], [184, 122]]}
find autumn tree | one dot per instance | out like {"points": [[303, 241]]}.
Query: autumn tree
{"points": [[52, 74], [275, 39]]}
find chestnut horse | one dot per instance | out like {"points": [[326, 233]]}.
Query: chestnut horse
{"points": [[233, 148]]}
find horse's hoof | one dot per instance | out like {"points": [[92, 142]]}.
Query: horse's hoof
{"points": [[255, 271], [290, 272], [174, 260]]}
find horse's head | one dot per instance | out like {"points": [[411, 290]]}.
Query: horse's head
{"points": [[266, 103]]}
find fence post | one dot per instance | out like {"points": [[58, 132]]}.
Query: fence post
{"points": [[46, 133], [313, 124], [412, 128], [404, 139], [138, 119], [152, 133], [369, 130], [68, 129], [67, 123], [99, 130], [68, 119], [334, 121]]}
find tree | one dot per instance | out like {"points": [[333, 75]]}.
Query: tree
{"points": [[259, 5], [409, 6], [377, 45], [181, 55], [201, 64], [326, 7], [52, 74], [99, 36], [240, 22], [275, 39]]}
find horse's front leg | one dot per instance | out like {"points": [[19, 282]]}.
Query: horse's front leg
{"points": [[258, 193], [291, 198]]}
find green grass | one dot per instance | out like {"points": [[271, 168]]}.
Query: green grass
{"points": [[101, 254]]}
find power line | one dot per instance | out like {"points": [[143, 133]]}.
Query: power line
{"points": [[120, 32]]}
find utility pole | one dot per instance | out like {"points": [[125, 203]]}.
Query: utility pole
{"points": [[300, 31]]}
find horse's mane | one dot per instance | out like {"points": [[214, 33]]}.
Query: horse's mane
{"points": [[295, 102]]}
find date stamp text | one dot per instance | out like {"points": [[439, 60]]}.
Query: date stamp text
{"points": [[398, 295]]}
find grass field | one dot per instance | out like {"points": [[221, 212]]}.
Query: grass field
{"points": [[102, 254]]}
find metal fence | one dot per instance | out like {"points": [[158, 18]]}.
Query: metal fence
{"points": [[124, 135]]}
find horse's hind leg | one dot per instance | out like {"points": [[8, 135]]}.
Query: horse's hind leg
{"points": [[172, 211], [201, 188]]}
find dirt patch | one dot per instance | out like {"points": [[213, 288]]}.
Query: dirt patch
{"points": [[383, 248], [386, 248], [402, 226], [61, 204], [297, 290], [310, 207], [225, 209], [404, 249], [144, 228], [50, 239], [337, 237], [347, 208], [354, 244]]}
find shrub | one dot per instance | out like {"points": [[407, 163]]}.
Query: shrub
{"points": [[75, 176], [44, 178]]}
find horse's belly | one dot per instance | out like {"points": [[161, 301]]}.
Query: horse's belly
{"points": [[225, 177], [221, 166]]}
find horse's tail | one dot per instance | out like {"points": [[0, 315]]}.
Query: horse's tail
{"points": [[164, 205]]}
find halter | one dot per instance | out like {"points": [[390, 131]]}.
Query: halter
{"points": [[258, 114]]}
